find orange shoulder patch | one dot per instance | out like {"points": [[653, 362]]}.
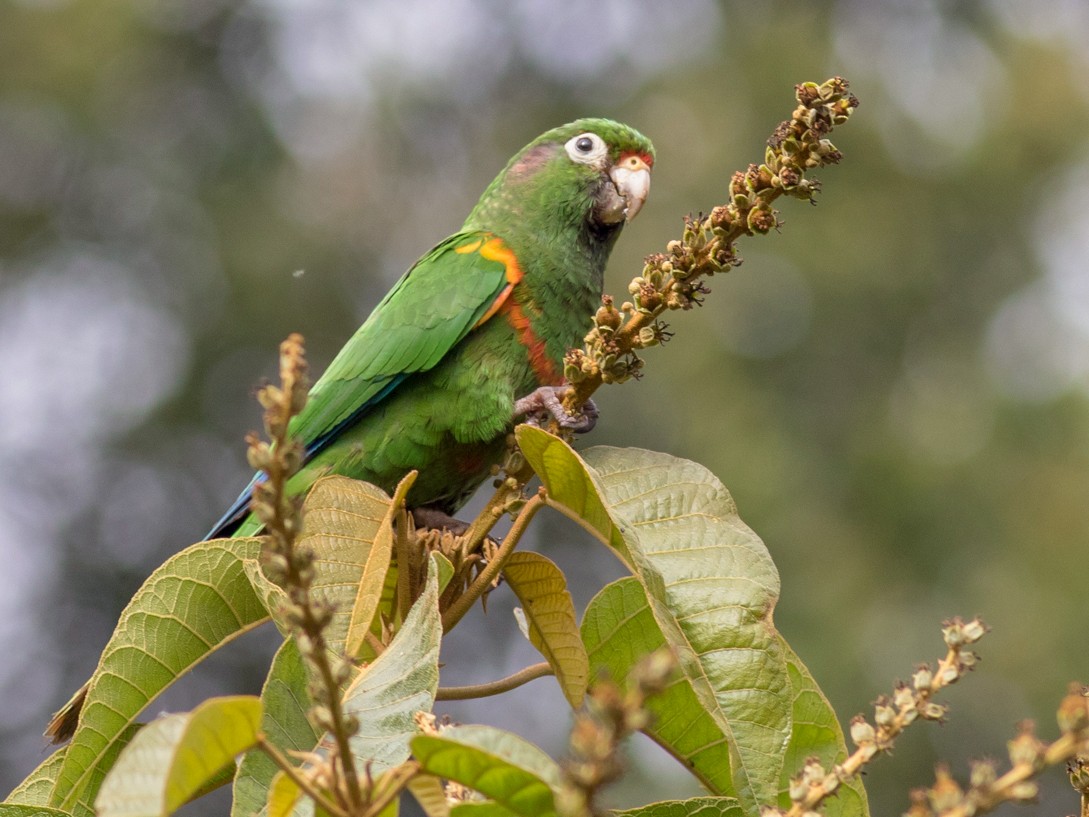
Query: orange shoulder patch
{"points": [[493, 249]]}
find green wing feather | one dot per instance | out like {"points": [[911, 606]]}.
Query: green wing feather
{"points": [[434, 305]]}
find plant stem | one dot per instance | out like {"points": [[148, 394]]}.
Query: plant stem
{"points": [[391, 785], [488, 575], [513, 681], [299, 780]]}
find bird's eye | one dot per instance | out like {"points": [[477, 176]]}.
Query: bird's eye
{"points": [[586, 148]]}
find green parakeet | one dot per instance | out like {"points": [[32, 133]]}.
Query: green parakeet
{"points": [[474, 334]]}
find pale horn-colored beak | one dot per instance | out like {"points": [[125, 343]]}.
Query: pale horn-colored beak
{"points": [[631, 175]]}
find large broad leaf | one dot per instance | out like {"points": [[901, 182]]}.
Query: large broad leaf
{"points": [[694, 807], [705, 586], [710, 584], [817, 734], [176, 756], [23, 810], [550, 614], [36, 789], [285, 725], [619, 629], [505, 768], [430, 795], [193, 604], [402, 681], [347, 526]]}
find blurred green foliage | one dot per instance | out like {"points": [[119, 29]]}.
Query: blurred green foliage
{"points": [[894, 388]]}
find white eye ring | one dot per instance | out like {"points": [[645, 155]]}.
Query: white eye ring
{"points": [[586, 148]]}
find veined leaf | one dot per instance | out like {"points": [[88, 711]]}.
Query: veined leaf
{"points": [[283, 794], [343, 519], [710, 584], [817, 734], [430, 795], [542, 589], [24, 810], [707, 589], [480, 808], [197, 601], [619, 628], [693, 807], [368, 597], [387, 693], [502, 766], [38, 785], [174, 757], [284, 722]]}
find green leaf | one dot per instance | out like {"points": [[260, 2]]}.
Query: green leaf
{"points": [[174, 757], [285, 701], [84, 804], [24, 810], [38, 785], [510, 747], [542, 589], [196, 602], [709, 580], [387, 693], [500, 765], [619, 629], [283, 794], [694, 807], [817, 734], [480, 808], [343, 521], [430, 794]]}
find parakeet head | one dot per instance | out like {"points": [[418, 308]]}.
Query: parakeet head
{"points": [[592, 175]]}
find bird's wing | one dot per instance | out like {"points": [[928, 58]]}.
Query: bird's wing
{"points": [[455, 287]]}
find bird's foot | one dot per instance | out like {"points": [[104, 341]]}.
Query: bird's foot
{"points": [[435, 519], [545, 403]]}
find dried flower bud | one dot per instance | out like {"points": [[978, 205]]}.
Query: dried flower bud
{"points": [[1078, 769], [933, 711], [1073, 714], [607, 317], [813, 772], [1025, 749], [920, 804], [945, 794], [923, 679], [904, 697], [883, 714], [722, 218], [797, 789], [983, 774], [1024, 792], [761, 219], [862, 731], [974, 630]]}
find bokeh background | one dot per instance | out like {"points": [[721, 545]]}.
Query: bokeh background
{"points": [[894, 388]]}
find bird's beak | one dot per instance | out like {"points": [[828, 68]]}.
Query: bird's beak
{"points": [[631, 176]]}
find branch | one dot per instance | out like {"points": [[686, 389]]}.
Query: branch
{"points": [[293, 568], [513, 681], [673, 279], [299, 779], [1028, 758], [488, 575], [814, 784]]}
